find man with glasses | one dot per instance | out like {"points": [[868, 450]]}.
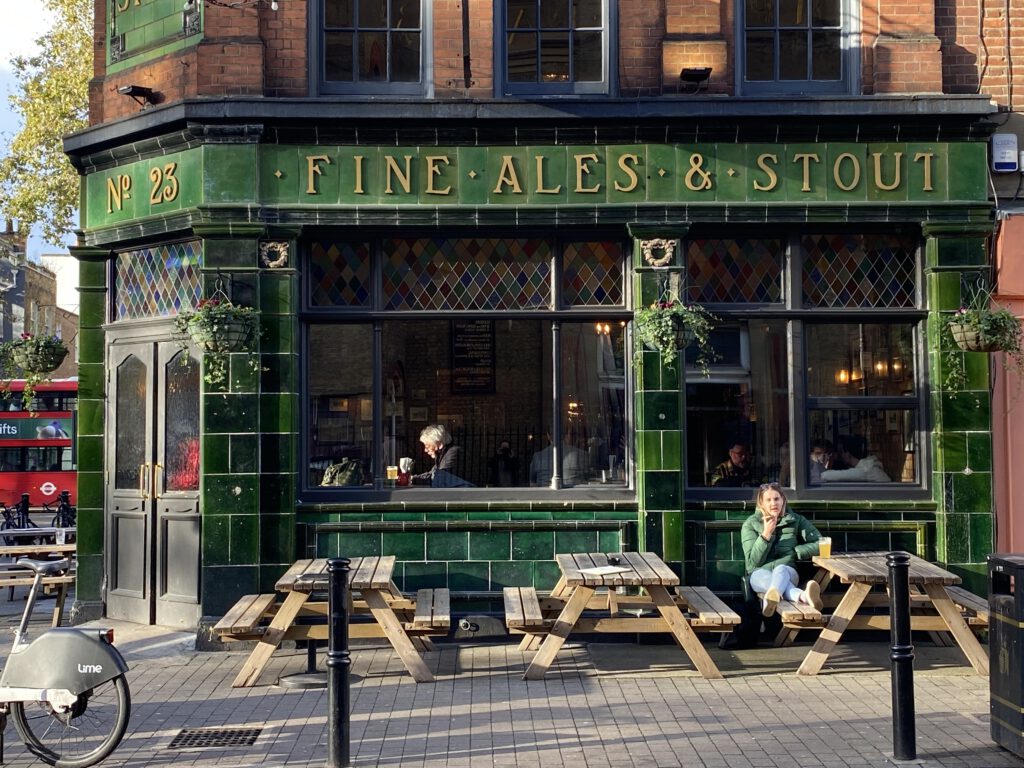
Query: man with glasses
{"points": [[734, 472]]}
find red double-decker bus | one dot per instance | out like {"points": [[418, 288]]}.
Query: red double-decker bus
{"points": [[37, 447]]}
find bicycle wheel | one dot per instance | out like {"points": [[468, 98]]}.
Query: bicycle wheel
{"points": [[8, 525], [81, 737]]}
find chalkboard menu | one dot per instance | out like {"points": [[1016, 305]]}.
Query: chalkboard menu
{"points": [[472, 357]]}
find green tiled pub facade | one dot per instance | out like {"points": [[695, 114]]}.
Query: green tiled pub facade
{"points": [[319, 237]]}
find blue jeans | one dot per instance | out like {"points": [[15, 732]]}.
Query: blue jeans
{"points": [[783, 577]]}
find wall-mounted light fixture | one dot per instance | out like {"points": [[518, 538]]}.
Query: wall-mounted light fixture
{"points": [[142, 95], [695, 77]]}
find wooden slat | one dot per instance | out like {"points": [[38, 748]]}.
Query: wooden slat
{"points": [[514, 616], [667, 577], [287, 581], [570, 571], [638, 563], [245, 615], [708, 608], [969, 601]]}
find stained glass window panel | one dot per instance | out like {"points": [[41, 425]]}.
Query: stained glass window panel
{"points": [[734, 271], [470, 273], [340, 275], [859, 271], [592, 274], [159, 281]]}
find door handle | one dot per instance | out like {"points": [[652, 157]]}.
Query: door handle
{"points": [[157, 487], [143, 480]]}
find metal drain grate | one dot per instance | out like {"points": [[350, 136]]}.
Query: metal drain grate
{"points": [[214, 737]]}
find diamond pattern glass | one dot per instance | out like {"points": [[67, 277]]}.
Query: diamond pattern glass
{"points": [[592, 274], [735, 271], [340, 275], [159, 281], [859, 271], [470, 273]]}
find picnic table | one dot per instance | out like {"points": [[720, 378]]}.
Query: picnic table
{"points": [[13, 575], [583, 574], [863, 571], [406, 623]]}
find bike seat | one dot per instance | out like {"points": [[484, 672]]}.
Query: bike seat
{"points": [[45, 567]]}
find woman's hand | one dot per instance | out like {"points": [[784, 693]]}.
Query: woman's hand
{"points": [[770, 523]]}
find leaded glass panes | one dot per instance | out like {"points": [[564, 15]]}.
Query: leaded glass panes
{"points": [[159, 281], [727, 270], [592, 274], [468, 273], [858, 271], [339, 275]]}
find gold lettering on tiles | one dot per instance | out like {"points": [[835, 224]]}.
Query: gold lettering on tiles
{"points": [[583, 169], [773, 177], [433, 169], [122, 5], [507, 176], [806, 158], [837, 170], [697, 178], [877, 156], [165, 184], [624, 165], [313, 170], [393, 169], [927, 157], [541, 189], [357, 183], [118, 190]]}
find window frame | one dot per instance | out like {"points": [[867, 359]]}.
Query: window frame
{"points": [[320, 85], [800, 403], [850, 60], [606, 86], [376, 316]]}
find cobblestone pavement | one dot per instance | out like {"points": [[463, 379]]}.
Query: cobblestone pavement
{"points": [[601, 705]]}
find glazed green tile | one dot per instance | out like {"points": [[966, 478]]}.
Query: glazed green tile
{"points": [[976, 370], [767, 170], [514, 574], [660, 411], [488, 545], [575, 541], [934, 169], [90, 417], [972, 493], [226, 413], [230, 172], [966, 411], [216, 540], [405, 546], [245, 539], [981, 536], [277, 452], [958, 251], [89, 538], [979, 451], [623, 160], [243, 373], [884, 170], [216, 454], [276, 412], [652, 535], [661, 173], [469, 577], [90, 450], [956, 538], [533, 545], [92, 304], [277, 333], [970, 182], [649, 448], [554, 177], [474, 184], [672, 450], [91, 378], [447, 545], [92, 274], [278, 292], [849, 163], [277, 493], [91, 345], [661, 490], [89, 577], [91, 489], [547, 573], [243, 450], [222, 585], [731, 158], [425, 576], [672, 536], [510, 172], [586, 175], [361, 545], [226, 494], [277, 537]]}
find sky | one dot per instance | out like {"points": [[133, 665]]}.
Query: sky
{"points": [[18, 34]]}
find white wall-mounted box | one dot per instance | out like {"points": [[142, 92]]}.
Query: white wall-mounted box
{"points": [[1004, 153]]}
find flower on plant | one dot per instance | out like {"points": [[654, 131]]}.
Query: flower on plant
{"points": [[212, 321], [656, 326], [996, 327], [45, 350]]}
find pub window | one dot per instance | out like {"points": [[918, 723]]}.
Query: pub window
{"points": [[371, 46], [526, 374], [554, 46], [796, 46], [805, 392]]}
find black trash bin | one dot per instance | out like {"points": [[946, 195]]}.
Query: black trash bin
{"points": [[1006, 650]]}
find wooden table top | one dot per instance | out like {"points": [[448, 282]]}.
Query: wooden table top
{"points": [[871, 568], [616, 569], [19, 550], [312, 575]]}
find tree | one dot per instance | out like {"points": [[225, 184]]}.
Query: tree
{"points": [[38, 184]]}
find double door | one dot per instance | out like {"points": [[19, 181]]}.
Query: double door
{"points": [[152, 507]]}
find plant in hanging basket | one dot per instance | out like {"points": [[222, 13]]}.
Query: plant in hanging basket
{"points": [[219, 327], [37, 356], [981, 326], [668, 325]]}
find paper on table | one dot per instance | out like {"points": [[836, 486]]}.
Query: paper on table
{"points": [[604, 570]]}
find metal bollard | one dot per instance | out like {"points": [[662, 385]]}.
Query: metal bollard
{"points": [[902, 657], [338, 663]]}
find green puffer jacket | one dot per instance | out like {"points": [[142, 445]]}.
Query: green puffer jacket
{"points": [[795, 538]]}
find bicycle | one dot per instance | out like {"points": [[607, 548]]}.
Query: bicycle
{"points": [[66, 515], [19, 519], [65, 690]]}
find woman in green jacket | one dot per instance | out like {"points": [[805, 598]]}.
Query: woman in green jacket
{"points": [[774, 538]]}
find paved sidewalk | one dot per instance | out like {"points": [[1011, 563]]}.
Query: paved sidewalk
{"points": [[601, 705]]}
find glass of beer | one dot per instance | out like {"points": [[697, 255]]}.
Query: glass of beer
{"points": [[392, 474], [825, 546]]}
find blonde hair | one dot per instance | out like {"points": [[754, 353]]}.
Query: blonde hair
{"points": [[764, 489], [436, 433]]}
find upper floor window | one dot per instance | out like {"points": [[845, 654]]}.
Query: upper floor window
{"points": [[553, 46], [371, 46], [795, 46]]}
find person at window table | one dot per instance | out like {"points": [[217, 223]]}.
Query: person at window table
{"points": [[734, 472], [574, 464], [773, 539], [437, 442], [821, 459], [862, 467]]}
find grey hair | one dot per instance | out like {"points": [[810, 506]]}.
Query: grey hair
{"points": [[435, 433]]}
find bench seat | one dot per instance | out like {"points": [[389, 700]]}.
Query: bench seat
{"points": [[245, 619], [705, 610], [433, 611], [522, 609], [975, 606]]}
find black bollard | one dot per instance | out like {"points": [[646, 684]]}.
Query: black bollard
{"points": [[902, 657], [338, 662]]}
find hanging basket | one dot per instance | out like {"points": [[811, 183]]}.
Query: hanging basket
{"points": [[229, 336], [684, 334], [970, 339], [38, 361]]}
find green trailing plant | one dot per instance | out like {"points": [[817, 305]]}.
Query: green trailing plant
{"points": [[668, 325], [32, 357], [979, 326], [219, 327]]}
